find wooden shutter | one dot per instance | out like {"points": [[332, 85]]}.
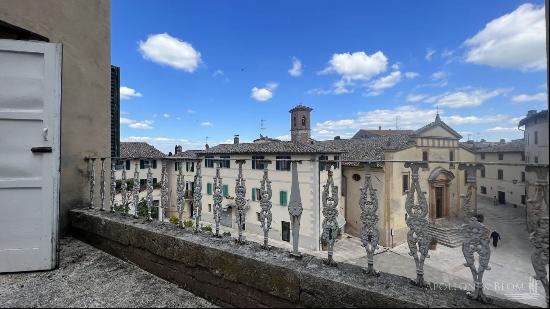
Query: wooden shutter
{"points": [[209, 189], [127, 165], [253, 194], [154, 164], [225, 190], [141, 164], [282, 197]]}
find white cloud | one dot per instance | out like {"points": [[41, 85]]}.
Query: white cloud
{"points": [[385, 82], [411, 75], [515, 40], [429, 53], [218, 73], [357, 66], [395, 66], [264, 94], [416, 97], [143, 125], [541, 96], [296, 69], [167, 50], [446, 53], [503, 129], [285, 137], [206, 124], [467, 98], [191, 112], [127, 93], [439, 75], [317, 91], [178, 118], [166, 115], [407, 117]]}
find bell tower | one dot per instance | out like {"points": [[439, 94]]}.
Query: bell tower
{"points": [[300, 128]]}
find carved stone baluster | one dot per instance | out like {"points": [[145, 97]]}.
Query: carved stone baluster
{"points": [[135, 191], [149, 194], [218, 199], [295, 210], [330, 214], [265, 203], [113, 185], [163, 192], [469, 208], [180, 203], [538, 204], [92, 183], [240, 201], [368, 202], [417, 237], [477, 240], [102, 185], [124, 193], [197, 197]]}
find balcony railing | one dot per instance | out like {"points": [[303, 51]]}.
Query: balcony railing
{"points": [[476, 236]]}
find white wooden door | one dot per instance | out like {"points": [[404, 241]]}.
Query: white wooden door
{"points": [[30, 106]]}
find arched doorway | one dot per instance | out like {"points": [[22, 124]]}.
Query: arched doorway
{"points": [[440, 179]]}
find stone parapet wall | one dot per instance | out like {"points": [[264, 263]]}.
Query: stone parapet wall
{"points": [[234, 275]]}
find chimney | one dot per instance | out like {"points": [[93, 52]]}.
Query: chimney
{"points": [[483, 140], [337, 138], [206, 146], [177, 149], [379, 128], [531, 112], [236, 139], [502, 141]]}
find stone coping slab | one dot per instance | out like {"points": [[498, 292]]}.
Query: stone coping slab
{"points": [[246, 275]]}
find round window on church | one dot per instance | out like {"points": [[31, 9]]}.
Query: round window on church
{"points": [[356, 177]]}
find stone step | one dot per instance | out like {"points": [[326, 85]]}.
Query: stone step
{"points": [[450, 236]]}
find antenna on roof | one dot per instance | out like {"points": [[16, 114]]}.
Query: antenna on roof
{"points": [[262, 127]]}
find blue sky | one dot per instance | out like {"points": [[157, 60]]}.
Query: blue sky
{"points": [[191, 69]]}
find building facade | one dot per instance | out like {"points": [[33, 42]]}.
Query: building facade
{"points": [[504, 183]]}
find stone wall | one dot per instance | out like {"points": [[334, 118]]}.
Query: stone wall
{"points": [[247, 276]]}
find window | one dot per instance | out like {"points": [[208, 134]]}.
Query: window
{"points": [[192, 169], [154, 180], [283, 198], [500, 174], [451, 155], [176, 166], [282, 163], [258, 216], [336, 162], [523, 156], [209, 161], [225, 161], [303, 121], [536, 137], [523, 199], [405, 184], [501, 156], [536, 159], [322, 162], [143, 164], [483, 190], [225, 190], [522, 176], [256, 194], [425, 155], [209, 207], [127, 165], [294, 120], [482, 156], [189, 166], [482, 173], [356, 177], [257, 163], [209, 188]]}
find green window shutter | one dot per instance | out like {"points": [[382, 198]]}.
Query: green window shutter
{"points": [[253, 194], [282, 197], [225, 190], [209, 189]]}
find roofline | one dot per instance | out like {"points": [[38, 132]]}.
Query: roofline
{"points": [[542, 113]]}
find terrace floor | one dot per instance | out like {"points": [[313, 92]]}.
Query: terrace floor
{"points": [[88, 277]]}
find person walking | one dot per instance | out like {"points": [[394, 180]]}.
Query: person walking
{"points": [[496, 237]]}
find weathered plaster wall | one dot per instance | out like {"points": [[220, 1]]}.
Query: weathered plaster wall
{"points": [[83, 27], [248, 276]]}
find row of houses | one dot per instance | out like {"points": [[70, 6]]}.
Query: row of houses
{"points": [[443, 182]]}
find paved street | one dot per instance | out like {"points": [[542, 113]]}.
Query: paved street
{"points": [[88, 277]]}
